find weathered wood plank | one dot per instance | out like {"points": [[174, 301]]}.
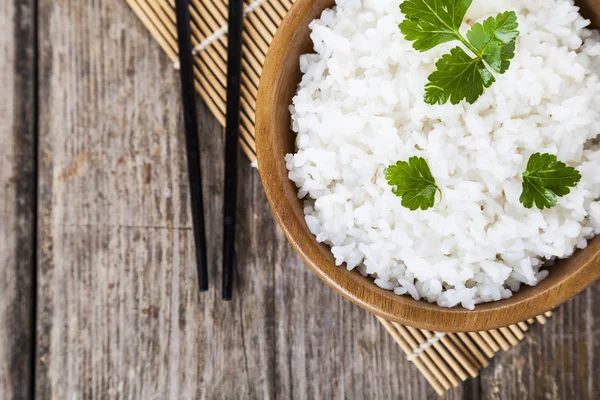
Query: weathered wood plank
{"points": [[120, 315], [557, 361], [119, 312], [17, 199]]}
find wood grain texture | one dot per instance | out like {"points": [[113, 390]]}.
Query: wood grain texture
{"points": [[560, 360], [116, 275], [17, 198], [119, 314]]}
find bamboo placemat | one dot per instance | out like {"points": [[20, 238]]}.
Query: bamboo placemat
{"points": [[445, 359]]}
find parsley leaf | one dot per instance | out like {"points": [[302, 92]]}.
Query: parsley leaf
{"points": [[413, 182], [495, 40], [545, 179], [459, 76], [431, 22]]}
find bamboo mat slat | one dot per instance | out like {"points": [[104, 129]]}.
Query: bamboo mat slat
{"points": [[444, 359]]}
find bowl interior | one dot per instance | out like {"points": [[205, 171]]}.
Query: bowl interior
{"points": [[275, 139]]}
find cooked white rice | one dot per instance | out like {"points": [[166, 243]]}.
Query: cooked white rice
{"points": [[360, 108]]}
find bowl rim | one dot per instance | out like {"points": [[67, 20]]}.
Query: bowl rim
{"points": [[363, 291]]}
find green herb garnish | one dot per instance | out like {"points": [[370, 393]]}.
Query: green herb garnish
{"points": [[459, 76], [413, 182], [545, 179]]}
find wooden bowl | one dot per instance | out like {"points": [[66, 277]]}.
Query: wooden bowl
{"points": [[275, 139]]}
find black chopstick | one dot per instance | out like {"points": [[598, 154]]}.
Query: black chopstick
{"points": [[232, 127], [186, 64]]}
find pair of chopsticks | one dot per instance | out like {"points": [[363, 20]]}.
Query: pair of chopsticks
{"points": [[234, 61]]}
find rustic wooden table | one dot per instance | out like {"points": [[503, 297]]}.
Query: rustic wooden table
{"points": [[98, 292]]}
